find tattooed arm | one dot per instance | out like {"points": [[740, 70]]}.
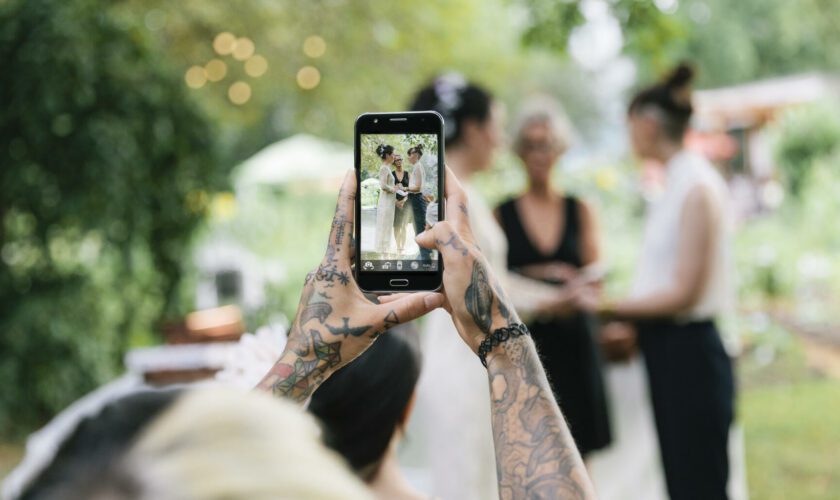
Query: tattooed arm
{"points": [[536, 456], [335, 322]]}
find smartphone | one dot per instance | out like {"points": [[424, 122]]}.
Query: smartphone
{"points": [[400, 175]]}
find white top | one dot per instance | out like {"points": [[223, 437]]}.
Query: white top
{"points": [[416, 180], [656, 269]]}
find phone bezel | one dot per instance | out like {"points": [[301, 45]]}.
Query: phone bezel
{"points": [[407, 122]]}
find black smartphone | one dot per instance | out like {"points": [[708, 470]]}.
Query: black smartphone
{"points": [[400, 175]]}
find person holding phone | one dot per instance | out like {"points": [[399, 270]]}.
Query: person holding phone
{"points": [[335, 323]]}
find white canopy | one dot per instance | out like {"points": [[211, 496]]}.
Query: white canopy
{"points": [[299, 158]]}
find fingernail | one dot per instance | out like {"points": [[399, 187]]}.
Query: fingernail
{"points": [[420, 235], [433, 300]]}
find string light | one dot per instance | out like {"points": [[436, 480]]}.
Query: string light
{"points": [[239, 93], [195, 77], [216, 69], [314, 46], [256, 66], [243, 49], [224, 43], [308, 77]]}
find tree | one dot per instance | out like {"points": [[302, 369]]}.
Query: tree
{"points": [[107, 166]]}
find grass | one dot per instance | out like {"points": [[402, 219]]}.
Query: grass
{"points": [[792, 435], [791, 419]]}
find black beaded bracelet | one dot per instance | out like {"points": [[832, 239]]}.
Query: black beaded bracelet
{"points": [[496, 337]]}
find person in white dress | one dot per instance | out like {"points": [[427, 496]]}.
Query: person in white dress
{"points": [[384, 234], [458, 460], [682, 286]]}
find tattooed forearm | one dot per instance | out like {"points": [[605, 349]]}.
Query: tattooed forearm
{"points": [[479, 298], [535, 454], [297, 375]]}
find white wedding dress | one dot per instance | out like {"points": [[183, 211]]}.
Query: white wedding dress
{"points": [[385, 211]]}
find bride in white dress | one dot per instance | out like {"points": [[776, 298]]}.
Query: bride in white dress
{"points": [[387, 200]]}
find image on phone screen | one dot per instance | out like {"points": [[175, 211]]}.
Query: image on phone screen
{"points": [[399, 199]]}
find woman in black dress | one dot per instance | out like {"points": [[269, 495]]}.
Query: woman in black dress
{"points": [[402, 212], [551, 237]]}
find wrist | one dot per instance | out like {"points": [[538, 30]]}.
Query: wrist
{"points": [[499, 339]]}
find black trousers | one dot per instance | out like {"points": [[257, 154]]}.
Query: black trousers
{"points": [[692, 390], [418, 206]]}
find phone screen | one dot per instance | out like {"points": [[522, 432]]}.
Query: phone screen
{"points": [[400, 198]]}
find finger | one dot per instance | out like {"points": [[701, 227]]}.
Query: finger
{"points": [[456, 200], [409, 307], [445, 239], [342, 224], [385, 299]]}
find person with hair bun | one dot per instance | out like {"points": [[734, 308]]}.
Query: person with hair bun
{"points": [[417, 196], [681, 287], [386, 206]]}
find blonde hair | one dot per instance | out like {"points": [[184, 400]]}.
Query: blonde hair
{"points": [[546, 110], [222, 444]]}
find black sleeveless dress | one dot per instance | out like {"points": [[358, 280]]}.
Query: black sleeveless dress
{"points": [[567, 346]]}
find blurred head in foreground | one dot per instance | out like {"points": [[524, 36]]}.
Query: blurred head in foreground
{"points": [[659, 115], [472, 121], [365, 406], [202, 444]]}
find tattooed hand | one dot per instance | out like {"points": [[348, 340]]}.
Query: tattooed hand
{"points": [[475, 300], [536, 456], [335, 322]]}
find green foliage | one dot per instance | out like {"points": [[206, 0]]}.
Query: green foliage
{"points": [[805, 135], [106, 164]]}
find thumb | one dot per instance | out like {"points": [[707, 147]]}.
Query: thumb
{"points": [[426, 239], [410, 307]]}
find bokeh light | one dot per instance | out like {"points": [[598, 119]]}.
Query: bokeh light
{"points": [[195, 77], [243, 49], [224, 43], [239, 93], [308, 77], [256, 66], [314, 46], [216, 70]]}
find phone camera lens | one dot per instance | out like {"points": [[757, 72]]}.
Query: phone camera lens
{"points": [[376, 120]]}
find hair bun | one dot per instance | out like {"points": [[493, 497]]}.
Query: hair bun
{"points": [[380, 149], [680, 77]]}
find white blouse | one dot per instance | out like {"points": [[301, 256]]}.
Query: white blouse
{"points": [[656, 268]]}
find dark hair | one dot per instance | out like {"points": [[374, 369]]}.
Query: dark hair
{"points": [[384, 150], [364, 403], [457, 100], [416, 149], [672, 98], [87, 462]]}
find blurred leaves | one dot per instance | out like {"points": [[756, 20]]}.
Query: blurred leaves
{"points": [[101, 148]]}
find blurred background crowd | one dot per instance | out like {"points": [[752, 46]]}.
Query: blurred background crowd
{"points": [[168, 173]]}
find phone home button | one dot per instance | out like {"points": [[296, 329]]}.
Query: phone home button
{"points": [[398, 282]]}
